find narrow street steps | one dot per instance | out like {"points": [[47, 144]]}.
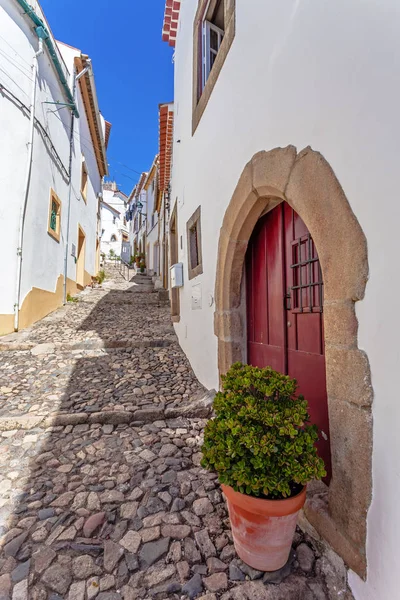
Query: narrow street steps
{"points": [[102, 494]]}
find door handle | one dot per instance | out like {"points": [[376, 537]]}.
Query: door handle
{"points": [[287, 300]]}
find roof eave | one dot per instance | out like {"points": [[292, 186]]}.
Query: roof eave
{"points": [[89, 95]]}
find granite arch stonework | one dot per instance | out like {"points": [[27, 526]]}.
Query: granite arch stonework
{"points": [[308, 184]]}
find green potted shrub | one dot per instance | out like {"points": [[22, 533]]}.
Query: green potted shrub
{"points": [[262, 446], [142, 265], [101, 276]]}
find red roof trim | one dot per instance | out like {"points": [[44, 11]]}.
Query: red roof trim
{"points": [[108, 131], [166, 116], [171, 20]]}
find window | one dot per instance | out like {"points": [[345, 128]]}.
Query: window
{"points": [[113, 238], [114, 219], [307, 291], [194, 247], [54, 224], [195, 259], [212, 40], [214, 32], [84, 181], [124, 222]]}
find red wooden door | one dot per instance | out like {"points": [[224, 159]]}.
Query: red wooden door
{"points": [[285, 328]]}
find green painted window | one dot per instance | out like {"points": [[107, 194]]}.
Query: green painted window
{"points": [[53, 215]]}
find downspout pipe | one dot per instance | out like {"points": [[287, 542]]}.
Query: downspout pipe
{"points": [[71, 147], [26, 185], [43, 33]]}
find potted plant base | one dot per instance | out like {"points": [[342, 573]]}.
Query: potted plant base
{"points": [[262, 529], [262, 447]]}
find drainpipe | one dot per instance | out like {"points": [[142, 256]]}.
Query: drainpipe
{"points": [[27, 184], [71, 147]]}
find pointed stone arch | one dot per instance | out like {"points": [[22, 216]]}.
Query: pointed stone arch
{"points": [[308, 184]]}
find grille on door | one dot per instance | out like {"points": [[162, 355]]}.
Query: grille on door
{"points": [[307, 288]]}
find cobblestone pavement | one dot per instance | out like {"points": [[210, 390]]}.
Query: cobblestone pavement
{"points": [[102, 494]]}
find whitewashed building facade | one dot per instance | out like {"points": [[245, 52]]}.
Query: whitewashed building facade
{"points": [[152, 241], [291, 108], [137, 219], [114, 227], [48, 226]]}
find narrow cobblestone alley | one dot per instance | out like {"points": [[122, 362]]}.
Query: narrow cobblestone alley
{"points": [[101, 491]]}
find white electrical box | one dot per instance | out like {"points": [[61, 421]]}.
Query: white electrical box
{"points": [[176, 275]]}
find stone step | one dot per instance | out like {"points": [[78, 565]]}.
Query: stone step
{"points": [[50, 348], [200, 407]]}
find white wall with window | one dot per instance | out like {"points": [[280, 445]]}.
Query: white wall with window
{"points": [[46, 217], [113, 223], [137, 224], [304, 73], [213, 30], [152, 246]]}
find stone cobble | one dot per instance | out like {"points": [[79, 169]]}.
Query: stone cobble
{"points": [[120, 508], [120, 379]]}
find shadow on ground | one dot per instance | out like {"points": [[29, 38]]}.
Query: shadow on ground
{"points": [[111, 502]]}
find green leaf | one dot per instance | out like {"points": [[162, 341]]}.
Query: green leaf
{"points": [[260, 441]]}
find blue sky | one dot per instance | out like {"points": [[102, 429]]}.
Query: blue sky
{"points": [[133, 70]]}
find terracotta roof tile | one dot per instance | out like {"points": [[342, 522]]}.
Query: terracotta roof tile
{"points": [[171, 19], [166, 121]]}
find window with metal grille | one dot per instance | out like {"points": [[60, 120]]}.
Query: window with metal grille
{"points": [[53, 215], [54, 222], [307, 288]]}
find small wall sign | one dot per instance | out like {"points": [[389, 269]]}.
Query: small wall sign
{"points": [[196, 297]]}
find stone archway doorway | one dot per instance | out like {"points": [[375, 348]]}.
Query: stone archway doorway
{"points": [[308, 184]]}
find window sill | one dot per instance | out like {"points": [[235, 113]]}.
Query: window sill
{"points": [[54, 235], [195, 272]]}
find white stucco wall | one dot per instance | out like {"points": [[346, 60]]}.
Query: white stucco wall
{"points": [[118, 205], [141, 236], [43, 257], [305, 73], [152, 227], [137, 230]]}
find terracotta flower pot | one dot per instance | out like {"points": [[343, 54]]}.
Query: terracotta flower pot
{"points": [[263, 530]]}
